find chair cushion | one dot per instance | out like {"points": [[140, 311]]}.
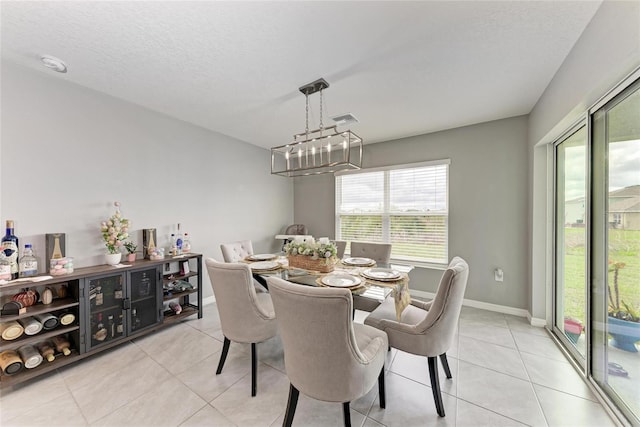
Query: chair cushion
{"points": [[387, 310], [263, 300], [369, 340]]}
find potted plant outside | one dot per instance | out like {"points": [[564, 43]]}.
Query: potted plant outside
{"points": [[131, 250], [624, 320]]}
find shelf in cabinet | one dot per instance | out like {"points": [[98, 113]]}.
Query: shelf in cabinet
{"points": [[32, 339], [102, 309], [57, 304], [166, 279], [170, 316], [26, 374], [150, 297], [175, 295]]}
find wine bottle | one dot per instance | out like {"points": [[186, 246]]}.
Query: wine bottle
{"points": [[10, 248], [112, 326], [46, 350], [101, 331], [62, 344]]}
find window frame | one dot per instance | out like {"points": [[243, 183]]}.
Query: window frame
{"points": [[386, 213]]}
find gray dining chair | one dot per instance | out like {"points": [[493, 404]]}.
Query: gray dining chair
{"points": [[245, 316], [237, 251], [341, 245], [326, 356], [427, 328], [379, 252]]}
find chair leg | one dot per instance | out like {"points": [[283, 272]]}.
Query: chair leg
{"points": [[383, 402], [445, 365], [291, 406], [223, 355], [254, 369], [347, 414], [435, 385]]}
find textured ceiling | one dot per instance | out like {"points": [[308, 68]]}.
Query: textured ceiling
{"points": [[402, 68]]}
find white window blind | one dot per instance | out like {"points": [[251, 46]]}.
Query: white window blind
{"points": [[406, 206]]}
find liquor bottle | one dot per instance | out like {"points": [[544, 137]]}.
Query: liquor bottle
{"points": [[46, 350], [120, 327], [173, 249], [179, 240], [134, 319], [186, 244], [101, 331], [112, 326], [5, 266], [28, 263], [62, 344], [10, 248]]}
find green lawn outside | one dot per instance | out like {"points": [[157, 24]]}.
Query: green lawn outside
{"points": [[624, 246]]}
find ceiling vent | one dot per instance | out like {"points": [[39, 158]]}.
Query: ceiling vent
{"points": [[344, 119]]}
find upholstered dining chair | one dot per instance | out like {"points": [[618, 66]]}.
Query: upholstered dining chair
{"points": [[427, 328], [326, 356], [341, 245], [379, 252], [298, 229], [237, 251], [245, 316]]}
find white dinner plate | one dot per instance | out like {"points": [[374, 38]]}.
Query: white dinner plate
{"points": [[381, 274], [264, 265], [341, 280], [358, 261], [262, 257]]}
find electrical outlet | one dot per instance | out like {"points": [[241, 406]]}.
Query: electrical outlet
{"points": [[498, 274]]}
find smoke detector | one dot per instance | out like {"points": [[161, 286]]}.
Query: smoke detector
{"points": [[54, 63], [344, 119]]}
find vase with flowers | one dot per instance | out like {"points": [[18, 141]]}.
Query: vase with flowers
{"points": [[115, 231], [309, 254]]}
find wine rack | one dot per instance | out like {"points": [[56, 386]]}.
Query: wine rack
{"points": [[130, 300]]}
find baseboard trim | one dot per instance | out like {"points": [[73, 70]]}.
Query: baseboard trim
{"points": [[208, 300], [520, 312]]}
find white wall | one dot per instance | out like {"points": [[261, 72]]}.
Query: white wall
{"points": [[607, 51], [488, 203], [69, 152]]}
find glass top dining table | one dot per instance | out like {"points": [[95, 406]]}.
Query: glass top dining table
{"points": [[366, 297]]}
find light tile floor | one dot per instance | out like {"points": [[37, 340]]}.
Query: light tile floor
{"points": [[505, 373]]}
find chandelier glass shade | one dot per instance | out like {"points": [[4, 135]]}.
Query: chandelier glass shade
{"points": [[323, 150]]}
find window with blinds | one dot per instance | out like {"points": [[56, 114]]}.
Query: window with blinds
{"points": [[406, 206]]}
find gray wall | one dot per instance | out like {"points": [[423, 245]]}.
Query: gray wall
{"points": [[607, 51], [69, 152], [487, 207]]}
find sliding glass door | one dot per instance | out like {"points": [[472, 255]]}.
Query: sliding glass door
{"points": [[597, 246], [571, 241], [615, 264]]}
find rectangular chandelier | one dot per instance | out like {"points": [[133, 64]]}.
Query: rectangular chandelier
{"points": [[314, 152]]}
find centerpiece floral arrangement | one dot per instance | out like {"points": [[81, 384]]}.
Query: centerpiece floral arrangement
{"points": [[115, 231], [307, 253]]}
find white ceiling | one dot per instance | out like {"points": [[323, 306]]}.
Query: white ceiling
{"points": [[402, 68]]}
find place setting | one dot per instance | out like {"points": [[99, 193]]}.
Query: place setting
{"points": [[358, 262], [340, 280], [261, 257], [264, 266], [382, 274]]}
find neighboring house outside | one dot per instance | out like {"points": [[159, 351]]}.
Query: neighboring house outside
{"points": [[624, 208], [574, 212]]}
